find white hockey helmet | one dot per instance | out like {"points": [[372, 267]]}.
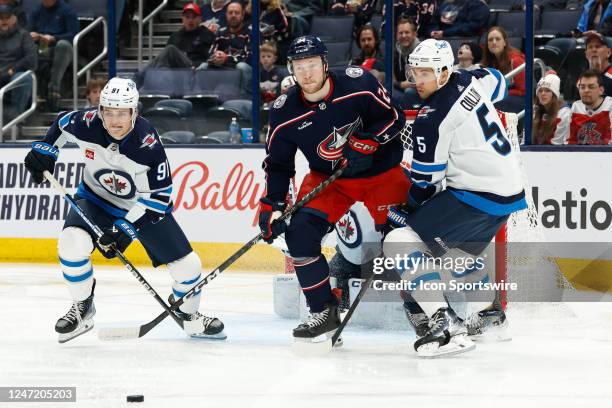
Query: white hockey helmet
{"points": [[119, 93], [435, 54]]}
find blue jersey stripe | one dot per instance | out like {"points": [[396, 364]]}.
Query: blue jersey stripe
{"points": [[114, 211], [489, 206], [428, 168], [153, 205]]}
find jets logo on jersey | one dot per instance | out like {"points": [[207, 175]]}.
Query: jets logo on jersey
{"points": [[349, 230], [280, 101], [116, 182], [89, 116], [354, 72], [588, 134], [149, 141], [331, 147]]}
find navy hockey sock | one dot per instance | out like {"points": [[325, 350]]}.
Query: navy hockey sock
{"points": [[313, 274]]}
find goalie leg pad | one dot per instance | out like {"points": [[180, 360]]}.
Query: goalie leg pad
{"points": [[186, 273], [74, 249]]}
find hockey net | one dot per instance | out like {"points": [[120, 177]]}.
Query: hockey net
{"points": [[520, 245]]}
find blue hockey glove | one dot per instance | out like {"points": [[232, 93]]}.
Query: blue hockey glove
{"points": [[118, 236], [359, 152], [269, 212], [42, 157]]}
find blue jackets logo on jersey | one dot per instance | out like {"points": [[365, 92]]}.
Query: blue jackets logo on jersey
{"points": [[331, 147], [116, 182]]}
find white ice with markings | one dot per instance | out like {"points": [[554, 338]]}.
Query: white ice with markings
{"points": [[558, 361]]}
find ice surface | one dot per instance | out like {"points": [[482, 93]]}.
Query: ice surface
{"points": [[552, 362]]}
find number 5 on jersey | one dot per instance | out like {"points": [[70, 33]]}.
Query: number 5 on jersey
{"points": [[500, 144]]}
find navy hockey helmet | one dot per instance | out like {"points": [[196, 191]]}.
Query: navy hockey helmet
{"points": [[305, 47]]}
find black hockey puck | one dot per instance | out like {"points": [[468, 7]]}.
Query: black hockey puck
{"points": [[135, 398]]}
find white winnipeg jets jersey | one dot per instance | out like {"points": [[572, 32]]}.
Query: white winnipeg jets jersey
{"points": [[458, 137], [130, 178]]}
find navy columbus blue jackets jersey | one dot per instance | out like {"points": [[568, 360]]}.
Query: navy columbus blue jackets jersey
{"points": [[356, 101], [130, 178]]}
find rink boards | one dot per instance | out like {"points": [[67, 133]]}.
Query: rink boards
{"points": [[216, 193]]}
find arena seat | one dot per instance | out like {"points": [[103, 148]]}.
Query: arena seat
{"points": [[513, 22], [226, 83], [166, 82], [332, 28], [178, 137], [558, 23], [337, 53], [184, 107]]}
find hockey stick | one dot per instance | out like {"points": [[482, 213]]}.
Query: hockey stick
{"points": [[129, 266], [137, 332], [323, 347]]}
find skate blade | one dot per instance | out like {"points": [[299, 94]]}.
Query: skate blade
{"points": [[218, 336], [65, 337], [319, 346], [457, 345]]}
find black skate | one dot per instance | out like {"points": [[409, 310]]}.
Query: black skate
{"points": [[319, 326], [198, 326], [446, 336], [491, 321], [417, 318], [78, 320]]}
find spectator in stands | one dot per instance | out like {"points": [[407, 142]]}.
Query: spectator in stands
{"points": [[406, 42], [273, 25], [22, 17], [590, 116], [270, 74], [595, 17], [468, 55], [550, 114], [499, 54], [186, 48], [421, 11], [362, 10], [53, 25], [232, 48], [300, 12], [92, 91], [461, 18], [598, 54], [17, 54], [370, 56], [214, 14]]}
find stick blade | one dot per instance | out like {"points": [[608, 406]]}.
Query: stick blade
{"points": [[119, 333]]}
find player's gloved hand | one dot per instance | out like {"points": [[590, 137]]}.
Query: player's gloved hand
{"points": [[270, 225], [42, 157], [359, 152], [118, 236]]}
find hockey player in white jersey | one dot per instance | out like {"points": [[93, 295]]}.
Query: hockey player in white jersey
{"points": [[458, 140], [126, 191]]}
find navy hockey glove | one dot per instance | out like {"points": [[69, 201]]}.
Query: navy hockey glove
{"points": [[359, 152], [118, 236], [269, 212], [42, 157]]}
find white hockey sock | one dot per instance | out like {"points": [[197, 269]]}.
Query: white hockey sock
{"points": [[187, 273], [74, 249]]}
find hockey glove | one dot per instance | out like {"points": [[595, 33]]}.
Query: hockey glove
{"points": [[42, 157], [118, 236], [269, 212], [359, 152]]}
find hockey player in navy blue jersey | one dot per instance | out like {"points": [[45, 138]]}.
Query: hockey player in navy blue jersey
{"points": [[459, 140], [126, 191], [330, 116]]}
